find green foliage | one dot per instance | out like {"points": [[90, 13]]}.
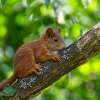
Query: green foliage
{"points": [[22, 21], [9, 91], [2, 3]]}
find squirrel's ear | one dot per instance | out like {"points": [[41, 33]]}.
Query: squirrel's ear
{"points": [[49, 32]]}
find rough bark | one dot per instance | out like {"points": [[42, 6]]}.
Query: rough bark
{"points": [[74, 55]]}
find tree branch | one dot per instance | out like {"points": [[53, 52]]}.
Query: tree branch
{"points": [[76, 54]]}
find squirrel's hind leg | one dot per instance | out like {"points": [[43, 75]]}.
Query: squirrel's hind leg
{"points": [[27, 65]]}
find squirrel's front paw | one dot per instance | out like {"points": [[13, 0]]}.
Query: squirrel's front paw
{"points": [[56, 58], [37, 68]]}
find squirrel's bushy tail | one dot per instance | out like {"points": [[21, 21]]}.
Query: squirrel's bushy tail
{"points": [[7, 82]]}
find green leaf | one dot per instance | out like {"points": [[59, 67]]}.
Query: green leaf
{"points": [[29, 2], [9, 91], [2, 3], [47, 2]]}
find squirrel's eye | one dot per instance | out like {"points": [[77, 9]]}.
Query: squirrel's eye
{"points": [[55, 40]]}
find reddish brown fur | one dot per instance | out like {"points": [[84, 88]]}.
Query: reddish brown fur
{"points": [[27, 56]]}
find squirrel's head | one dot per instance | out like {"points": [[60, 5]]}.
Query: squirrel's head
{"points": [[53, 39]]}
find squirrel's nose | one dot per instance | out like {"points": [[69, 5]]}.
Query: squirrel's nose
{"points": [[63, 44]]}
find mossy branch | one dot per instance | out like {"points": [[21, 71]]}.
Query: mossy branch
{"points": [[76, 54]]}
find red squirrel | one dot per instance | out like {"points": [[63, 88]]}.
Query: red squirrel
{"points": [[28, 55]]}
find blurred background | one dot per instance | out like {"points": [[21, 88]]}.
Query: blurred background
{"points": [[23, 21]]}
